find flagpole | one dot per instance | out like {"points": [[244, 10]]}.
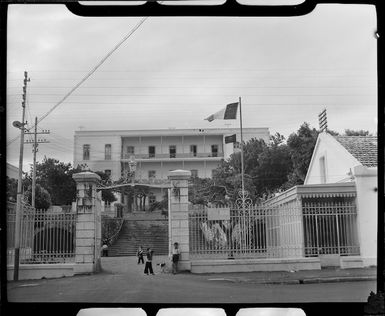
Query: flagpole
{"points": [[242, 166]]}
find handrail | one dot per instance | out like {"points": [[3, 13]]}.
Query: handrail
{"points": [[113, 237]]}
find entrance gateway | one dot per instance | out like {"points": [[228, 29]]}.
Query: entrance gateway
{"points": [[302, 234], [291, 236]]}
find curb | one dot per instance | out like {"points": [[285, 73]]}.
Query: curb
{"points": [[298, 281], [337, 279]]}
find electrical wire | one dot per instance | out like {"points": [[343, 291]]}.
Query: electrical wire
{"points": [[93, 70]]}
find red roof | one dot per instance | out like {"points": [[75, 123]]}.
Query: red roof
{"points": [[363, 148]]}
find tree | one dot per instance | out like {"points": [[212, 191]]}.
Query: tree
{"points": [[274, 166], [11, 189], [350, 132], [301, 145], [200, 190], [227, 180], [333, 133], [107, 194], [42, 197], [56, 177]]}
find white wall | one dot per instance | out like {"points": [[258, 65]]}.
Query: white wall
{"points": [[366, 184], [97, 160], [121, 139], [338, 161], [182, 143], [97, 148], [162, 169]]}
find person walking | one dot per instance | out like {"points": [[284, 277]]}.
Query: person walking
{"points": [[175, 258], [140, 254], [148, 266]]}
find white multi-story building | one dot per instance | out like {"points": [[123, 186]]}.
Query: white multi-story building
{"points": [[156, 152]]}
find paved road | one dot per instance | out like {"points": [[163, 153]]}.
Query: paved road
{"points": [[123, 281]]}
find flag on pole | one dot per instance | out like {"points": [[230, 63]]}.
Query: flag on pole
{"points": [[230, 139], [227, 113]]}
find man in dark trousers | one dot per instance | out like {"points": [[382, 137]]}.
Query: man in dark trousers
{"points": [[148, 266]]}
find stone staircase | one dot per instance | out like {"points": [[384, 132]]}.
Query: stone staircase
{"points": [[148, 232]]}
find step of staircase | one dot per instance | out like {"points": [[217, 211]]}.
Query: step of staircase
{"points": [[147, 233]]}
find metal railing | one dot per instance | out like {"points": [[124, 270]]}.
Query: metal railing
{"points": [[330, 228], [45, 237], [111, 228], [174, 155], [286, 231]]}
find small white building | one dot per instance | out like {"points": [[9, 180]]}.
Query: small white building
{"points": [[338, 202], [339, 159], [335, 157]]}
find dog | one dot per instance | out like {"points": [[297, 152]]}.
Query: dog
{"points": [[162, 267]]}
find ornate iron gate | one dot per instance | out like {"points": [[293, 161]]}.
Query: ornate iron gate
{"points": [[330, 228], [285, 231]]}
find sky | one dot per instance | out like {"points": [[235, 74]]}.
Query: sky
{"points": [[174, 72]]}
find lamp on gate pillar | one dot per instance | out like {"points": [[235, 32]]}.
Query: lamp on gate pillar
{"points": [[132, 168]]}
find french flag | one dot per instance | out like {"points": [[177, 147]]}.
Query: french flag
{"points": [[227, 113]]}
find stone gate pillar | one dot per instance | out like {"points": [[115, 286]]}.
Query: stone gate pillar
{"points": [[88, 225], [178, 214]]}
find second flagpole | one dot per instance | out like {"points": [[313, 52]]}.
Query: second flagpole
{"points": [[242, 165]]}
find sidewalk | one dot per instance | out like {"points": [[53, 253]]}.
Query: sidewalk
{"points": [[298, 277], [330, 275]]}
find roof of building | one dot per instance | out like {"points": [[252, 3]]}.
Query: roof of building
{"points": [[174, 131], [363, 148]]}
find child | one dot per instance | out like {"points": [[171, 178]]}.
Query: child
{"points": [[175, 257], [148, 266], [139, 254], [105, 250]]}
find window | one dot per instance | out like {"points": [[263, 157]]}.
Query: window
{"points": [[151, 174], [194, 173], [108, 173], [214, 150], [86, 152], [322, 169], [193, 150], [107, 152], [172, 151], [151, 151]]}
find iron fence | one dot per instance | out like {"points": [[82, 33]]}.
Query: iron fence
{"points": [[253, 232], [44, 237], [330, 228], [285, 231]]}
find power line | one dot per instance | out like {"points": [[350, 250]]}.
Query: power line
{"points": [[204, 87], [89, 73], [230, 76], [213, 94]]}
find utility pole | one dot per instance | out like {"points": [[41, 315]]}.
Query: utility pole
{"points": [[19, 208], [35, 144]]}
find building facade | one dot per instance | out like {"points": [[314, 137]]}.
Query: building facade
{"points": [[335, 157], [157, 152], [338, 202]]}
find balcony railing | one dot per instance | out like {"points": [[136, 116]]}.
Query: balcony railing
{"points": [[173, 156]]}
